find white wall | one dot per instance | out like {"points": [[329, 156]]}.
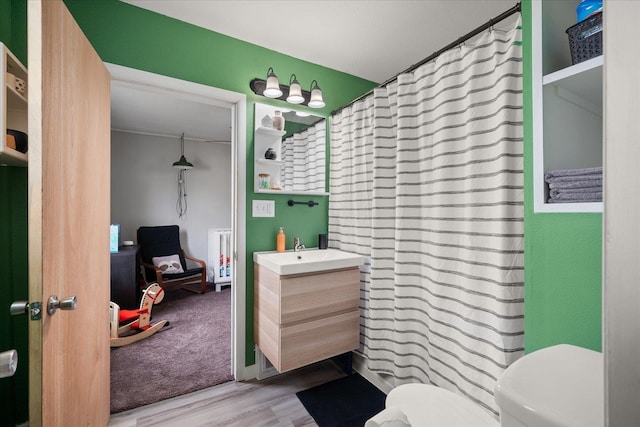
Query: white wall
{"points": [[144, 187], [621, 219]]}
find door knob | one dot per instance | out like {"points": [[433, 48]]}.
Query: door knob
{"points": [[8, 363], [68, 303], [19, 307]]}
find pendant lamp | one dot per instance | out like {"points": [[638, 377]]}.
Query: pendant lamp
{"points": [[182, 163]]}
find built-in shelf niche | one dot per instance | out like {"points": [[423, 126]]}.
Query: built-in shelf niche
{"points": [[567, 104]]}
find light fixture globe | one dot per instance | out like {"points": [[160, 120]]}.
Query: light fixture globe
{"points": [[295, 91], [182, 163], [316, 100], [272, 90]]}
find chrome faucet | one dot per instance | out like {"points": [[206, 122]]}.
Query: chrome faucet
{"points": [[297, 245]]}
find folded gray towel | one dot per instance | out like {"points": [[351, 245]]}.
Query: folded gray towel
{"points": [[582, 183], [573, 172], [575, 201], [555, 193], [576, 178], [594, 196]]}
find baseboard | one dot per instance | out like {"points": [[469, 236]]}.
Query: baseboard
{"points": [[265, 368], [247, 373], [383, 382], [260, 370]]}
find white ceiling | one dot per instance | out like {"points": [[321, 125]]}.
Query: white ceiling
{"points": [[145, 111], [374, 40]]}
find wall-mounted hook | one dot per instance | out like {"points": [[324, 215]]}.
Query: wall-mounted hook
{"points": [[310, 203]]}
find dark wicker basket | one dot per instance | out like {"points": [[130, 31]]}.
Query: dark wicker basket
{"points": [[585, 38]]}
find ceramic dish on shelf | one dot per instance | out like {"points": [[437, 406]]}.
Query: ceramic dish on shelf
{"points": [[20, 86]]}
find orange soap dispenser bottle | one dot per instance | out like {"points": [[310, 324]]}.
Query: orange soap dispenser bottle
{"points": [[280, 239]]}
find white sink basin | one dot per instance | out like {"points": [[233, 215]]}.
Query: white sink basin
{"points": [[307, 261]]}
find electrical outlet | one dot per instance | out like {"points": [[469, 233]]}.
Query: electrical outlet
{"points": [[264, 208]]}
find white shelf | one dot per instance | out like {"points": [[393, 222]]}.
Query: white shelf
{"points": [[15, 100], [577, 70], [571, 208], [11, 157], [567, 105], [582, 83], [13, 108], [270, 162], [264, 139], [270, 132]]}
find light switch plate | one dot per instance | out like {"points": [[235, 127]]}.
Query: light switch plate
{"points": [[263, 208]]}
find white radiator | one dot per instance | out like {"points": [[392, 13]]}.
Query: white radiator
{"points": [[220, 261]]}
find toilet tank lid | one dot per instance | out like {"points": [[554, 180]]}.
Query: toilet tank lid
{"points": [[558, 386]]}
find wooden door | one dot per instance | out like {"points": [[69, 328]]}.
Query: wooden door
{"points": [[69, 209]]}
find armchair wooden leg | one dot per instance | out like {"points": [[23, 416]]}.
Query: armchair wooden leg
{"points": [[203, 286]]}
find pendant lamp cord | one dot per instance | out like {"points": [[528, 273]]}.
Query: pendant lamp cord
{"points": [[181, 204]]}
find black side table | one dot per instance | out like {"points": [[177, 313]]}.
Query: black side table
{"points": [[125, 271]]}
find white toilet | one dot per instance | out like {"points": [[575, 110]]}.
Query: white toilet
{"points": [[559, 386], [417, 405]]}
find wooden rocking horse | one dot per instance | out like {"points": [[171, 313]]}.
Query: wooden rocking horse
{"points": [[139, 319]]}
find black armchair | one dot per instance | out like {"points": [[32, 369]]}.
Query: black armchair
{"points": [[162, 245]]}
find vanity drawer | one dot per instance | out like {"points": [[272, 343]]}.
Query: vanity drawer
{"points": [[310, 342], [306, 297], [304, 318]]}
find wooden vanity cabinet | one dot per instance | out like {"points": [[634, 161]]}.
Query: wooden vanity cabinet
{"points": [[305, 318]]}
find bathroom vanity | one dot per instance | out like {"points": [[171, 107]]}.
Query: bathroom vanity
{"points": [[306, 308]]}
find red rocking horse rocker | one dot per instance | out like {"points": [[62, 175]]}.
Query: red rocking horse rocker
{"points": [[136, 320]]}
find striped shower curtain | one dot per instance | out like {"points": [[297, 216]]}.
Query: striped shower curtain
{"points": [[427, 181], [304, 159]]}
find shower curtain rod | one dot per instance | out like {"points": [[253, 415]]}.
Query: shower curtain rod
{"points": [[504, 15]]}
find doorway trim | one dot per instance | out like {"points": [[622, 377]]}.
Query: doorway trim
{"points": [[237, 103]]}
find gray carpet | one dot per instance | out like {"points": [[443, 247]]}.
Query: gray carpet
{"points": [[192, 353]]}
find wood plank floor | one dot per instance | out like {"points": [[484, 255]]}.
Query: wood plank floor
{"points": [[270, 402]]}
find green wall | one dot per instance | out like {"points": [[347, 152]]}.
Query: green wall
{"points": [[563, 256], [13, 27], [14, 286], [14, 397], [126, 35]]}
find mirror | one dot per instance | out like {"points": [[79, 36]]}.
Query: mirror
{"points": [[292, 160]]}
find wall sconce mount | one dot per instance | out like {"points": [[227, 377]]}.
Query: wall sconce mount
{"points": [[293, 94]]}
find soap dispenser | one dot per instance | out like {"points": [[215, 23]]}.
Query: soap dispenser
{"points": [[280, 239]]}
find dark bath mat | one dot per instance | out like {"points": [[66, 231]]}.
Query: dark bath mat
{"points": [[346, 402]]}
